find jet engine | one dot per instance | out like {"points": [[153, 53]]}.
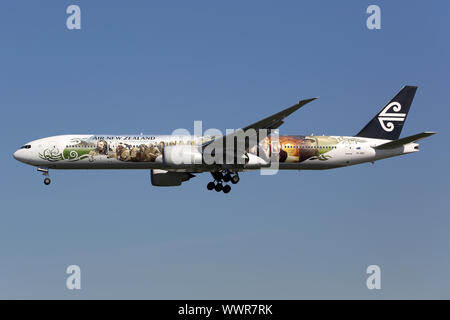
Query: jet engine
{"points": [[254, 162], [163, 178], [181, 156]]}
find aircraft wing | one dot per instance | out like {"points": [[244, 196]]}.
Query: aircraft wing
{"points": [[272, 122], [276, 120]]}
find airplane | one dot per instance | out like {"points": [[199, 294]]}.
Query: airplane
{"points": [[174, 159]]}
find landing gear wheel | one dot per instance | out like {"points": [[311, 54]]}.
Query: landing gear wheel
{"points": [[227, 177], [217, 175], [226, 189], [235, 179], [218, 187], [210, 185], [47, 181]]}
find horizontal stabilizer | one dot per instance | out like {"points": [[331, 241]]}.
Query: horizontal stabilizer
{"points": [[400, 142]]}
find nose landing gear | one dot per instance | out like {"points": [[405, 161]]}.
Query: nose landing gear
{"points": [[45, 173], [219, 178]]}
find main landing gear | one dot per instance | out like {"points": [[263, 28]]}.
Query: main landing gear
{"points": [[45, 173], [219, 178]]}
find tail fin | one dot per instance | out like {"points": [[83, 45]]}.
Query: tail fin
{"points": [[388, 123]]}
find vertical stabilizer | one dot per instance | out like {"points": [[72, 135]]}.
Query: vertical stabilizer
{"points": [[388, 123]]}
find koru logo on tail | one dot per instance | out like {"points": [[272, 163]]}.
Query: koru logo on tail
{"points": [[385, 117]]}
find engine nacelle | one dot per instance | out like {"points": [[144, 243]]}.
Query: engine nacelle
{"points": [[163, 178], [254, 162], [182, 156]]}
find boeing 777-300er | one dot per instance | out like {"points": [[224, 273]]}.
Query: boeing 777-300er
{"points": [[173, 159]]}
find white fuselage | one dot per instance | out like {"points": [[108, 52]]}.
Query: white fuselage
{"points": [[146, 152]]}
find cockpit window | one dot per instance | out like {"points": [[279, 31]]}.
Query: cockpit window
{"points": [[27, 146]]}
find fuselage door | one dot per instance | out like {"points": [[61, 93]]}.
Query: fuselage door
{"points": [[53, 150], [52, 146], [348, 149], [274, 147], [348, 152]]}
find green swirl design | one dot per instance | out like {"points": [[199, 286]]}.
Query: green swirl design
{"points": [[75, 155], [68, 154]]}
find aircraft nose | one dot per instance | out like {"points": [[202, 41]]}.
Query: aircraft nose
{"points": [[18, 155]]}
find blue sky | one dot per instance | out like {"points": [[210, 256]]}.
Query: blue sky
{"points": [[156, 66]]}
